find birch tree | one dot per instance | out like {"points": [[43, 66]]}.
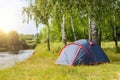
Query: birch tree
{"points": [[40, 12]]}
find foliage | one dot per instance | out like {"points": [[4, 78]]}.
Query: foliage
{"points": [[40, 12], [13, 42], [105, 15], [3, 41], [28, 41]]}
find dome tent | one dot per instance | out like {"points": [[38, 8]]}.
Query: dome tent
{"points": [[82, 52]]}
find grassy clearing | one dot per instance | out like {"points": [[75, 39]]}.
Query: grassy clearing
{"points": [[41, 67]]}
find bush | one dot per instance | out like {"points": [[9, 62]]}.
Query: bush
{"points": [[3, 49]]}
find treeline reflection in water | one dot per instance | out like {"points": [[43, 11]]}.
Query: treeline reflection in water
{"points": [[8, 60]]}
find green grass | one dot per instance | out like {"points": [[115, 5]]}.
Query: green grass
{"points": [[41, 67]]}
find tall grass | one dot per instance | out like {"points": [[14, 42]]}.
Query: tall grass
{"points": [[41, 67]]}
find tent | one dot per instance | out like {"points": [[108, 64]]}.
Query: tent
{"points": [[81, 52]]}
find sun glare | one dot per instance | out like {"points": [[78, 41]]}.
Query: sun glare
{"points": [[6, 21], [11, 17], [7, 18]]}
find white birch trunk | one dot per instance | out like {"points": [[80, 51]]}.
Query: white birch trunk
{"points": [[94, 33], [89, 29], [73, 30], [115, 33], [63, 31]]}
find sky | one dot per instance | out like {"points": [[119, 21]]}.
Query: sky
{"points": [[11, 17]]}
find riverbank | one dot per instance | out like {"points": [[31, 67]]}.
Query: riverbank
{"points": [[41, 67], [8, 60]]}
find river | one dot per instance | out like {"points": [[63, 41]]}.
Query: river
{"points": [[8, 60]]}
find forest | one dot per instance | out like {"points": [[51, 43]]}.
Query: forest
{"points": [[66, 21], [13, 42]]}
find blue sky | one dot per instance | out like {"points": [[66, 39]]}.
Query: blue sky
{"points": [[11, 17]]}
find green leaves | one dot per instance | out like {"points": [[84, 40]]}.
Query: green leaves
{"points": [[101, 11]]}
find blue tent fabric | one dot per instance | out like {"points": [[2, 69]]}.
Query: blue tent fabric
{"points": [[82, 52]]}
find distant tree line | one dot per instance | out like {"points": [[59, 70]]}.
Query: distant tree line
{"points": [[70, 20], [13, 42]]}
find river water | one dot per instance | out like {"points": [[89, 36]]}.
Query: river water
{"points": [[8, 60]]}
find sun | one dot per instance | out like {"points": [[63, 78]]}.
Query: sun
{"points": [[6, 21]]}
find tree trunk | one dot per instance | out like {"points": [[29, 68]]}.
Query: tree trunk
{"points": [[115, 33], [73, 30], [115, 36], [94, 33], [99, 37], [48, 37], [64, 40], [89, 29]]}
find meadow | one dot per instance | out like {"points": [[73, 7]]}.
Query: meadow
{"points": [[41, 66]]}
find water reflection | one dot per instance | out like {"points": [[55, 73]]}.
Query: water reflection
{"points": [[8, 60]]}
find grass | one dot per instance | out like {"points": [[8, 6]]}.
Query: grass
{"points": [[41, 67]]}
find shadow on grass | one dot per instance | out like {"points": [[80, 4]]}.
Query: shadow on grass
{"points": [[113, 54], [115, 50]]}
